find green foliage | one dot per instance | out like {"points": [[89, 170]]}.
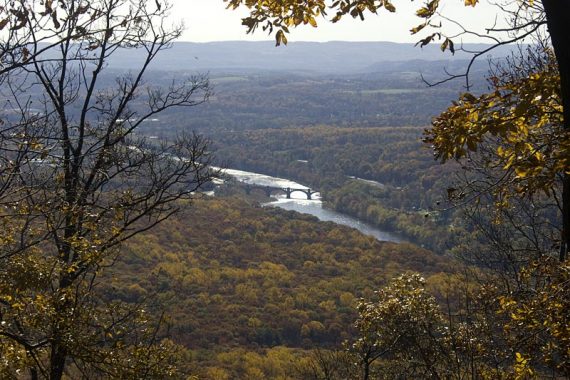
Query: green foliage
{"points": [[397, 210], [390, 155], [388, 94], [397, 183]]}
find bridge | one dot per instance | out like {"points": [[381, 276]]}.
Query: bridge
{"points": [[287, 190]]}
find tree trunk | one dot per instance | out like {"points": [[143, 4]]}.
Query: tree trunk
{"points": [[558, 20], [565, 215], [59, 351], [366, 374], [57, 361]]}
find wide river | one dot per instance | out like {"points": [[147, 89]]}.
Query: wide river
{"points": [[299, 203]]}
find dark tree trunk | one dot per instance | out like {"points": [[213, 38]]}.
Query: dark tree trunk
{"points": [[366, 374], [565, 217], [57, 361], [558, 20]]}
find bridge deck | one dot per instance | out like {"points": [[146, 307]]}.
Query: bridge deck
{"points": [[287, 190]]}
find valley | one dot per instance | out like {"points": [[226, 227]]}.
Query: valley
{"points": [[319, 211], [251, 288]]}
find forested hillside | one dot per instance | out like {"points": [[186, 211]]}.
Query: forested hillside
{"points": [[128, 251], [322, 130], [240, 279], [382, 175], [389, 95]]}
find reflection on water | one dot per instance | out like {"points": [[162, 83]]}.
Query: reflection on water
{"points": [[265, 180], [316, 208], [299, 203]]}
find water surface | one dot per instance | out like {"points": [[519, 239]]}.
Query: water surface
{"points": [[299, 203]]}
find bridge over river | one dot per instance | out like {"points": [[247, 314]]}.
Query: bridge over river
{"points": [[268, 185], [287, 190]]}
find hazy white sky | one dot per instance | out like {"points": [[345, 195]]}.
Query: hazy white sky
{"points": [[208, 20]]}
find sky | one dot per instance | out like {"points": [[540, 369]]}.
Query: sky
{"points": [[208, 20]]}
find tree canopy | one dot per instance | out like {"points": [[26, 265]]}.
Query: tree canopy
{"points": [[76, 181], [520, 120]]}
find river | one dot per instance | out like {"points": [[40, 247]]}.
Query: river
{"points": [[299, 203]]}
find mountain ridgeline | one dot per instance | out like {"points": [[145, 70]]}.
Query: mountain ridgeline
{"points": [[301, 57]]}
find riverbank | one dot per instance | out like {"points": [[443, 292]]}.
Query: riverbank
{"points": [[299, 203]]}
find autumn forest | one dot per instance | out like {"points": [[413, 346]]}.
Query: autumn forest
{"points": [[129, 250]]}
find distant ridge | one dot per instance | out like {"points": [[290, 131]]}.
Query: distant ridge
{"points": [[318, 57]]}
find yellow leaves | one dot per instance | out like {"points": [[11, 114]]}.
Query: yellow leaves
{"points": [[416, 29], [474, 116], [471, 3], [427, 40], [522, 118], [35, 145], [522, 129], [71, 269], [501, 151], [448, 44], [278, 16], [389, 6], [468, 97], [6, 240], [521, 172], [422, 12], [522, 367], [540, 315], [289, 21], [18, 306], [312, 21], [428, 10], [506, 302], [280, 38]]}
